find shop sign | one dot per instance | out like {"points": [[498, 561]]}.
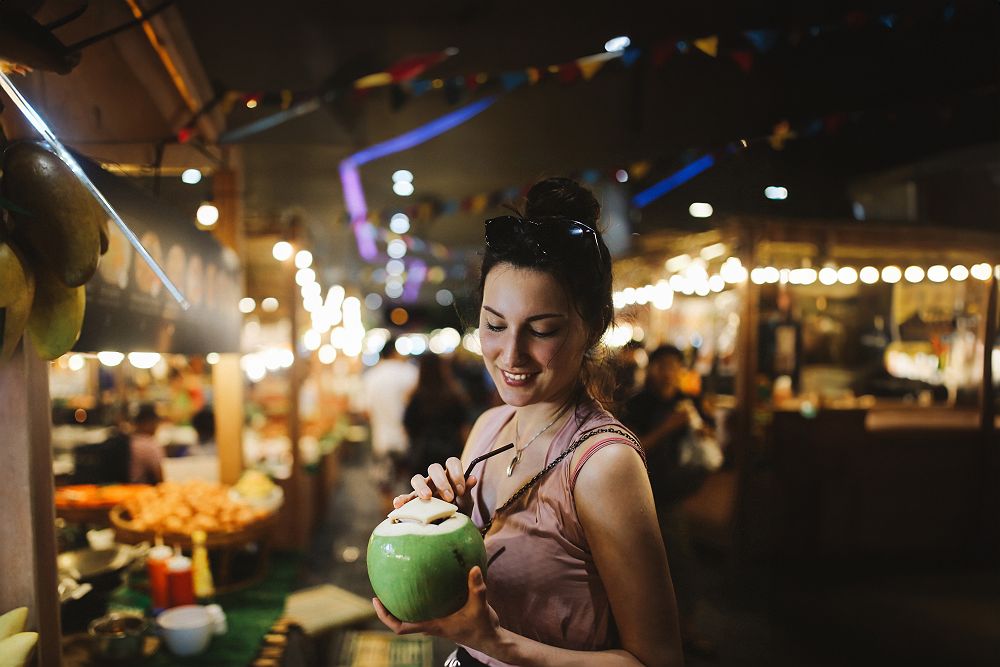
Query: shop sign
{"points": [[128, 308]]}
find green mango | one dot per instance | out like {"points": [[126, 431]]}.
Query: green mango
{"points": [[56, 316], [17, 290], [15, 650], [64, 228], [13, 622]]}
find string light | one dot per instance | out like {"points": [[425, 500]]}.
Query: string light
{"points": [[868, 275], [913, 274], [891, 274], [981, 271]]}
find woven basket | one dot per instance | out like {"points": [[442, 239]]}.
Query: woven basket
{"points": [[127, 533]]}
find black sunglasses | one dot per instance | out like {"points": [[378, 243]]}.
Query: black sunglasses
{"points": [[554, 237]]}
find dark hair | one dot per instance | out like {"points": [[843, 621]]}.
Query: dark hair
{"points": [[587, 284], [146, 414], [436, 381], [203, 422], [666, 351]]}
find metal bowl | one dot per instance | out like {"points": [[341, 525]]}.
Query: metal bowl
{"points": [[85, 564]]}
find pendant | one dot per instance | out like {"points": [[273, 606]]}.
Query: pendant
{"points": [[513, 462]]}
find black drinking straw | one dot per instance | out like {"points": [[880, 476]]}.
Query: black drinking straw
{"points": [[486, 456]]}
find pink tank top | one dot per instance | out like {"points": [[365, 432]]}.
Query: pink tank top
{"points": [[541, 579]]}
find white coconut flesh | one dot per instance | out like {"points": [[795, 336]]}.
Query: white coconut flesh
{"points": [[422, 517]]}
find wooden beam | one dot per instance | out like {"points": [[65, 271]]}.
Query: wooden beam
{"points": [[28, 547]]}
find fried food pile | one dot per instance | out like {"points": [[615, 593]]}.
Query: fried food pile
{"points": [[184, 507]]}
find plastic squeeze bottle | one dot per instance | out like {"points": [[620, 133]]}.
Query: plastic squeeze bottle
{"points": [[156, 567], [180, 580], [204, 588]]}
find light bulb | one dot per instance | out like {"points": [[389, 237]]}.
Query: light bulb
{"points": [[207, 214]]}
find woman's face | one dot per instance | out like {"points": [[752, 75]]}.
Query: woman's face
{"points": [[533, 340]]}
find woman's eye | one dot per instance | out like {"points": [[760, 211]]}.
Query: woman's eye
{"points": [[493, 327], [544, 334]]}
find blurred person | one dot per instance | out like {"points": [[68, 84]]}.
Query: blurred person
{"points": [[186, 396], [145, 452], [630, 363], [662, 415], [436, 418], [387, 387], [203, 422], [577, 570]]}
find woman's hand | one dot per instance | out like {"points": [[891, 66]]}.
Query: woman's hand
{"points": [[447, 482], [475, 625]]}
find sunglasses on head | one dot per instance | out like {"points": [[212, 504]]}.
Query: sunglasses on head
{"points": [[553, 237]]}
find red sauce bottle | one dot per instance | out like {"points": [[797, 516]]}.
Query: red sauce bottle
{"points": [[180, 580], [156, 567]]}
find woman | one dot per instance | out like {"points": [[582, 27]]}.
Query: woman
{"points": [[577, 572], [436, 416]]}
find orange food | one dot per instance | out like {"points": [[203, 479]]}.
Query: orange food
{"points": [[173, 507], [93, 496]]}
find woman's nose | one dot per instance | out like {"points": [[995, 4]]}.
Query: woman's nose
{"points": [[512, 353]]}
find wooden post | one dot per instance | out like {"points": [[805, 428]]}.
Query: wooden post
{"points": [[746, 394], [987, 394], [227, 390], [28, 547], [227, 194]]}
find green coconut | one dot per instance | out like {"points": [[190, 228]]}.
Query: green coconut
{"points": [[419, 559]]}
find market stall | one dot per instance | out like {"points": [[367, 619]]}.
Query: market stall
{"points": [[861, 361], [135, 346]]}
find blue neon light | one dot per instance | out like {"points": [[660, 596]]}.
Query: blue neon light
{"points": [[421, 134], [673, 181]]}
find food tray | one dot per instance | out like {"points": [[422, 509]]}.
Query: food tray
{"points": [[127, 533]]}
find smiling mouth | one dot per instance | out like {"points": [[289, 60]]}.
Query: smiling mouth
{"points": [[516, 378]]}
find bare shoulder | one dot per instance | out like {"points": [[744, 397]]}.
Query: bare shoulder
{"points": [[615, 452], [610, 466]]}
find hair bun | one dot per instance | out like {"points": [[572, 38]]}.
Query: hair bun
{"points": [[563, 197]]}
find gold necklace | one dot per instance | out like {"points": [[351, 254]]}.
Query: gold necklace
{"points": [[517, 450]]}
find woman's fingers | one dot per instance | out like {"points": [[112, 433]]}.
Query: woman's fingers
{"points": [[477, 584], [421, 487], [440, 480], [399, 501], [455, 474], [447, 483], [393, 623]]}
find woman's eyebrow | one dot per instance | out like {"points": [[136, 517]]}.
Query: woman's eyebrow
{"points": [[533, 318]]}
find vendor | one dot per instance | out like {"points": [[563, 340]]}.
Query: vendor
{"points": [[145, 453]]}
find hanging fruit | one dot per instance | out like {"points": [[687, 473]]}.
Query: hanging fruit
{"points": [[63, 222], [16, 295], [51, 241]]}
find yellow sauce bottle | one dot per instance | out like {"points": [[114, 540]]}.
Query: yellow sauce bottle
{"points": [[202, 573]]}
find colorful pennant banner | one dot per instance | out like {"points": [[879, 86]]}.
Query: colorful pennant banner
{"points": [[403, 78]]}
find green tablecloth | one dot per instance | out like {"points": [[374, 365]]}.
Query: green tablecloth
{"points": [[249, 615]]}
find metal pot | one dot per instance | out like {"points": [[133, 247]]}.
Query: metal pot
{"points": [[119, 636]]}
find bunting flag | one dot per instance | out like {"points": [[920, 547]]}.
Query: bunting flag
{"points": [[761, 40], [708, 45], [403, 79]]}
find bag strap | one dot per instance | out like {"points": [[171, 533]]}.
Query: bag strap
{"points": [[541, 473]]}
